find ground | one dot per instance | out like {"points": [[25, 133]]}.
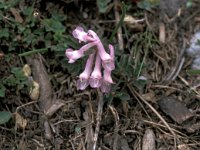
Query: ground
{"points": [[154, 102]]}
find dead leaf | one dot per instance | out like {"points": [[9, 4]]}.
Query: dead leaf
{"points": [[20, 121], [27, 70], [136, 24], [35, 91], [16, 14], [148, 142], [57, 105], [150, 96]]}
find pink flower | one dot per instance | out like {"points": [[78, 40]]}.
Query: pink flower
{"points": [[83, 80], [103, 59], [110, 65], [105, 87], [81, 35], [107, 60], [107, 76], [74, 55], [96, 77], [107, 81]]}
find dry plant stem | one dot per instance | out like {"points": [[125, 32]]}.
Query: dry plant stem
{"points": [[87, 115], [116, 116], [99, 116], [134, 93], [191, 88], [45, 99], [177, 68], [119, 31]]}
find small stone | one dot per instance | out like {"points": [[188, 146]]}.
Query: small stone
{"points": [[148, 142]]}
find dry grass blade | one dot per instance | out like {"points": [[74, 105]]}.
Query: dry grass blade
{"points": [[119, 31]]}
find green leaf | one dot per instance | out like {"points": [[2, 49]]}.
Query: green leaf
{"points": [[18, 73], [5, 116], [148, 4], [28, 11], [140, 82], [123, 96], [74, 68], [53, 25], [193, 72], [4, 33], [102, 5], [2, 91]]}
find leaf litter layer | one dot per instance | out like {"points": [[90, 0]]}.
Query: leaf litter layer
{"points": [[153, 74]]}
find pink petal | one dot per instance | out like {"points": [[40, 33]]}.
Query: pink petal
{"points": [[73, 55], [96, 76], [95, 82], [105, 87], [107, 76], [101, 51], [83, 81], [112, 51], [88, 46], [108, 65], [82, 84], [81, 35]]}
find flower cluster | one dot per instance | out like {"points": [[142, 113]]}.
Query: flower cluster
{"points": [[98, 60]]}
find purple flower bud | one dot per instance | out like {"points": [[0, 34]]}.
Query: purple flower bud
{"points": [[96, 77], [83, 81], [81, 35], [74, 55]]}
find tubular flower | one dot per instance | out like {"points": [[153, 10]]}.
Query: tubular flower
{"points": [[96, 77], [110, 65], [101, 51], [103, 60], [81, 35], [83, 81], [107, 81], [74, 55]]}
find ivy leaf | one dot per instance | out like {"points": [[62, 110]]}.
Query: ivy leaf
{"points": [[5, 116]]}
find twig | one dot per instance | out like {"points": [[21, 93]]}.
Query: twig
{"points": [[119, 31], [34, 51], [99, 116], [134, 93], [116, 116], [120, 22]]}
